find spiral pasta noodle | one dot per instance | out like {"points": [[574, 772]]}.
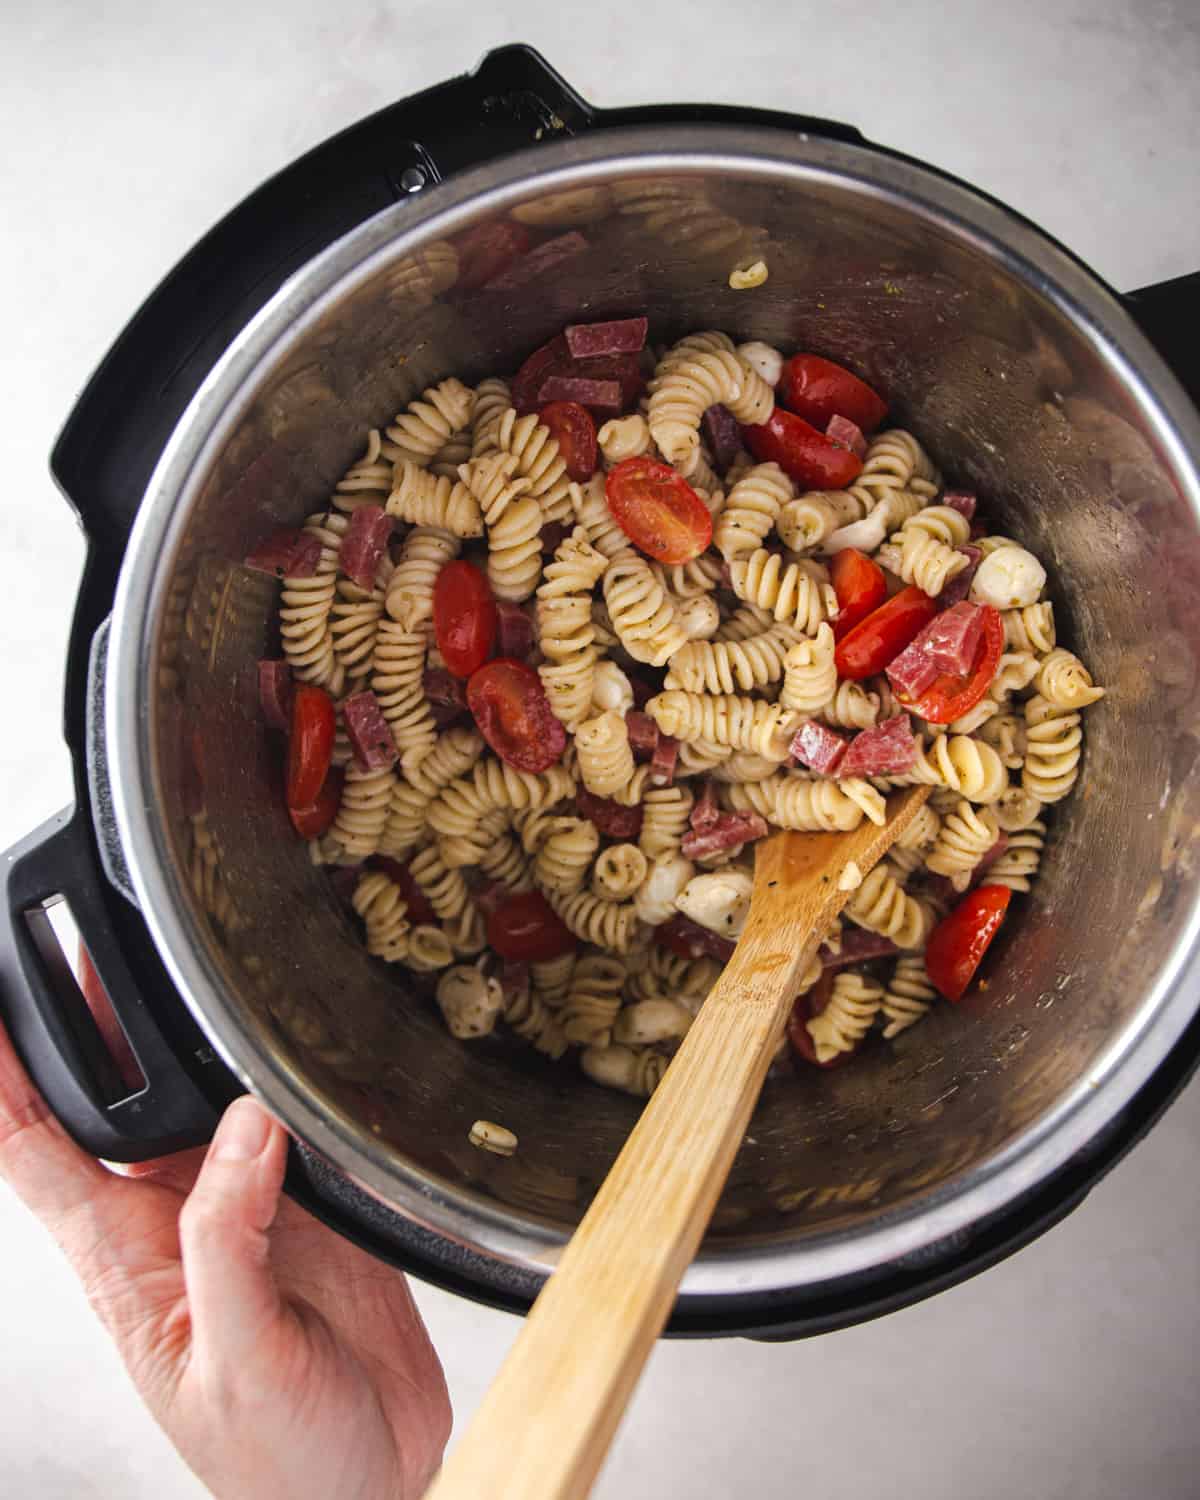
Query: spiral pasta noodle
{"points": [[493, 480], [539, 460], [456, 751], [427, 424], [593, 1001], [1064, 682], [515, 551], [791, 802], [606, 924], [593, 514], [642, 614], [1018, 865], [805, 522], [306, 609], [363, 811], [379, 901], [852, 707], [529, 1016], [605, 757], [686, 383], [665, 814], [743, 765], [409, 598], [424, 499], [921, 560], [810, 677], [796, 592], [969, 767], [725, 719], [1052, 749], [896, 463], [504, 860], [492, 399], [565, 629], [624, 437], [854, 1002], [1030, 629], [618, 872], [751, 510], [1005, 733], [354, 626], [562, 861], [368, 481], [1017, 809], [881, 904], [727, 666], [908, 996], [397, 670], [551, 978], [690, 580], [633, 1070], [429, 948], [962, 841]]}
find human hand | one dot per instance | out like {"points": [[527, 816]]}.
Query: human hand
{"points": [[276, 1356]]}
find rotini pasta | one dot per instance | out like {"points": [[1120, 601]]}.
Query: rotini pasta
{"points": [[1052, 741], [854, 1002], [1017, 866], [1064, 682], [962, 841], [751, 510], [423, 499], [642, 614], [409, 598], [607, 924], [730, 666], [908, 996], [363, 811], [593, 1001], [397, 668], [515, 551], [536, 451], [665, 814], [698, 373], [428, 423], [1030, 629], [619, 872], [562, 860], [565, 629], [605, 758], [881, 904], [725, 719], [791, 802], [379, 901], [624, 437], [368, 481], [798, 592], [809, 675]]}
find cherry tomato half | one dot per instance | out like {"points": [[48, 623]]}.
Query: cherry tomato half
{"points": [[860, 587], [488, 249], [525, 927], [415, 899], [310, 745], [952, 696], [882, 636], [464, 617], [510, 706], [806, 1006], [572, 425], [817, 389], [658, 510], [959, 941], [312, 821], [803, 453]]}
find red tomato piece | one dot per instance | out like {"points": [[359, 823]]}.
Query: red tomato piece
{"points": [[860, 587], [952, 696], [525, 927], [808, 456], [817, 389], [464, 617], [487, 249], [419, 909], [882, 636], [658, 510], [572, 425], [310, 746], [551, 358], [806, 1006], [312, 821], [512, 711], [679, 934], [959, 941]]}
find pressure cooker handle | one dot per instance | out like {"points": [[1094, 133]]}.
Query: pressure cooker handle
{"points": [[1169, 314], [51, 1024]]}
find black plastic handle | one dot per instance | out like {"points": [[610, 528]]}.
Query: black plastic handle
{"points": [[1169, 315], [48, 1019]]}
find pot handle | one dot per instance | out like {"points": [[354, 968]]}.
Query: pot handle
{"points": [[54, 1029], [1169, 314]]}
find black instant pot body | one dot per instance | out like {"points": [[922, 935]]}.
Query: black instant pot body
{"points": [[103, 463]]}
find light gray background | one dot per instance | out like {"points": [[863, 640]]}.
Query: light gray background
{"points": [[1071, 1371]]}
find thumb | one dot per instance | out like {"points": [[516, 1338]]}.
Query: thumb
{"points": [[223, 1235]]}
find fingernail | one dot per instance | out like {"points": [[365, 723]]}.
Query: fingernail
{"points": [[244, 1131]]}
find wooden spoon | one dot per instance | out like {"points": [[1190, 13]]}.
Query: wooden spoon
{"points": [[544, 1427]]}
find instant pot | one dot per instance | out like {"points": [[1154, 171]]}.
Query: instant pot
{"points": [[234, 401]]}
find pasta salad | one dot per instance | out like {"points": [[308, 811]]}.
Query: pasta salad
{"points": [[564, 646]]}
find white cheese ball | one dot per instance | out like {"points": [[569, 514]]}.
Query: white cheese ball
{"points": [[866, 535], [646, 1022], [469, 1001], [612, 691], [1009, 578], [718, 901], [761, 357], [665, 880], [699, 618]]}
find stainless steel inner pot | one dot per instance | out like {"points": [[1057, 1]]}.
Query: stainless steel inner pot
{"points": [[1025, 379]]}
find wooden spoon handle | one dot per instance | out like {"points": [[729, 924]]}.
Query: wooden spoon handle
{"points": [[546, 1423]]}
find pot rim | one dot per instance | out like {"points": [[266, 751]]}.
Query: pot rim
{"points": [[466, 1219]]}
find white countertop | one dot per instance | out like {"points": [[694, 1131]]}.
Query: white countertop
{"points": [[1069, 1371]]}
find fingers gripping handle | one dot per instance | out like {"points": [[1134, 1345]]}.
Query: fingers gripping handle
{"points": [[49, 1021]]}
